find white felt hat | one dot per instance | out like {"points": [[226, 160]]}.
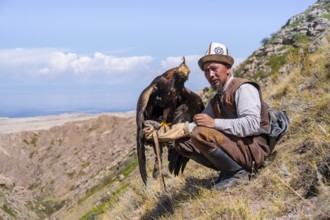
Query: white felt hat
{"points": [[216, 53]]}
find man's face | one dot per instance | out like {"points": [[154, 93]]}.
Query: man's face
{"points": [[217, 74]]}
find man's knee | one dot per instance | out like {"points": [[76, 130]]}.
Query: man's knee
{"points": [[204, 139], [195, 134]]}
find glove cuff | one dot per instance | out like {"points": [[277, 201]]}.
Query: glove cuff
{"points": [[186, 129]]}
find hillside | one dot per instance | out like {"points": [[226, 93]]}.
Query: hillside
{"points": [[43, 171], [87, 169], [293, 66]]}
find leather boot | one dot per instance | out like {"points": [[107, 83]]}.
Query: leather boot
{"points": [[231, 172], [222, 161], [232, 179], [201, 159]]}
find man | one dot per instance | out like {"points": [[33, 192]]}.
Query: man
{"points": [[229, 135]]}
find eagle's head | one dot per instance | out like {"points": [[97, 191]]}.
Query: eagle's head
{"points": [[183, 70]]}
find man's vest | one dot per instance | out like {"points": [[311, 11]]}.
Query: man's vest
{"points": [[224, 107]]}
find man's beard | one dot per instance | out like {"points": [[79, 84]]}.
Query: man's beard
{"points": [[218, 87]]}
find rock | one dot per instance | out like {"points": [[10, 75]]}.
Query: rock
{"points": [[6, 182], [288, 40], [121, 177], [313, 23]]}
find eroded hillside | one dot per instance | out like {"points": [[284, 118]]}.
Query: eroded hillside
{"points": [[45, 171]]}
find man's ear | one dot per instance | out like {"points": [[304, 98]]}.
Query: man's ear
{"points": [[228, 70]]}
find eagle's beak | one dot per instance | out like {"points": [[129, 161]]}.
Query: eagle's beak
{"points": [[183, 70], [185, 74]]}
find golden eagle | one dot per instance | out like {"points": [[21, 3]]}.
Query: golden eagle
{"points": [[166, 100]]}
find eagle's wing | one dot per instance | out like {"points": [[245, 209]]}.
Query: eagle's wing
{"points": [[140, 139], [191, 105], [194, 102], [177, 162]]}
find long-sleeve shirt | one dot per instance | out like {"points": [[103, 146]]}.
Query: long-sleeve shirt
{"points": [[248, 108]]}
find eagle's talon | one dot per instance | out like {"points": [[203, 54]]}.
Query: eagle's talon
{"points": [[165, 125]]}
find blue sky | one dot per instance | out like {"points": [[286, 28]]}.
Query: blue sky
{"points": [[93, 56]]}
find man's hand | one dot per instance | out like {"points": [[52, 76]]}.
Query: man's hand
{"points": [[149, 127], [204, 120]]}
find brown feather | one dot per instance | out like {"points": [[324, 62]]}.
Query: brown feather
{"points": [[161, 102]]}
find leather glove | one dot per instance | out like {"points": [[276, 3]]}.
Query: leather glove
{"points": [[177, 131], [149, 127]]}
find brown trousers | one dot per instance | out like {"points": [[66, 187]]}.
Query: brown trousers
{"points": [[246, 151]]}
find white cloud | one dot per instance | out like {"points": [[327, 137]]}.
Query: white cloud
{"points": [[171, 62], [114, 64], [60, 62], [82, 65], [51, 62], [44, 71], [191, 61]]}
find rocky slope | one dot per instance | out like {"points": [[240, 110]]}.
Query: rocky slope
{"points": [[303, 32], [43, 171]]}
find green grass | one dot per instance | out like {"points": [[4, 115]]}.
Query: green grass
{"points": [[52, 206], [301, 39], [102, 208], [260, 75], [327, 16], [71, 174], [296, 23], [276, 62], [33, 141], [8, 210], [128, 167]]}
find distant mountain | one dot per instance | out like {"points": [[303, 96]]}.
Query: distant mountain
{"points": [[32, 112]]}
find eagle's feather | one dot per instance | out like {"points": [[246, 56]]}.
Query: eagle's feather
{"points": [[167, 100]]}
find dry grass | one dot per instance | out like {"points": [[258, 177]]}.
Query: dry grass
{"points": [[294, 184]]}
